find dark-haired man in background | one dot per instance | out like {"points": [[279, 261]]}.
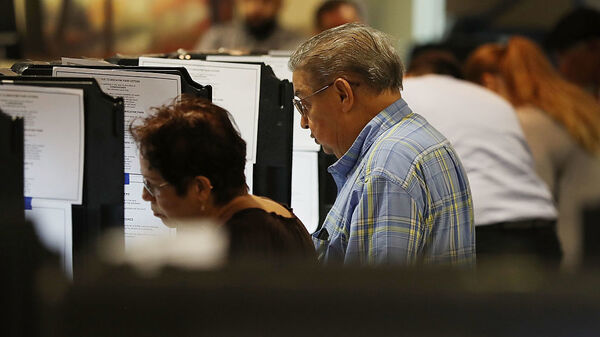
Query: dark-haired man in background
{"points": [[333, 13], [256, 30]]}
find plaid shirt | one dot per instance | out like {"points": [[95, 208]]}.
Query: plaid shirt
{"points": [[403, 197]]}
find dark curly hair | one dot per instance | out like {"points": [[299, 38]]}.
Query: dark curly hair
{"points": [[193, 137]]}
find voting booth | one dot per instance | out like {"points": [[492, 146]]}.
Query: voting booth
{"points": [[305, 184], [73, 159], [260, 104], [141, 88], [263, 114], [272, 175]]}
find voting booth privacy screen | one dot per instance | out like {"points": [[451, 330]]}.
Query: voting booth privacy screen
{"points": [[11, 169], [73, 159], [259, 102], [273, 167], [142, 88], [261, 105], [305, 199]]}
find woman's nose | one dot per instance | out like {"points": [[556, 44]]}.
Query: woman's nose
{"points": [[146, 195]]}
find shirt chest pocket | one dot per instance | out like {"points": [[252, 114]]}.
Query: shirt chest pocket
{"points": [[321, 241]]}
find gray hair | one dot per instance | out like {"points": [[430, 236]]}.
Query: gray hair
{"points": [[350, 49]]}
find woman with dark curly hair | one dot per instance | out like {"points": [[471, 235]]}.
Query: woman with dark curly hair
{"points": [[192, 159]]}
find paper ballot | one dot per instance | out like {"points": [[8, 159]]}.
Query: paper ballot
{"points": [[236, 88], [140, 91], [54, 139]]}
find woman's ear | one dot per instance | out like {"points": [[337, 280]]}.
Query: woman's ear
{"points": [[202, 187], [345, 93]]}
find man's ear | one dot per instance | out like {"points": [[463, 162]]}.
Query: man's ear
{"points": [[345, 93], [201, 187]]}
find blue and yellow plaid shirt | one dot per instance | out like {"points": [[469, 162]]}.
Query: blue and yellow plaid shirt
{"points": [[403, 197]]}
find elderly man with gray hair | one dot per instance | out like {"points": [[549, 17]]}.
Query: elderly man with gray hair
{"points": [[403, 195]]}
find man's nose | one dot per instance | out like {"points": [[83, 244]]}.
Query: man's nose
{"points": [[304, 122]]}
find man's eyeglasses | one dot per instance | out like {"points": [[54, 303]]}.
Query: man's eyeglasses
{"points": [[151, 188], [300, 103]]}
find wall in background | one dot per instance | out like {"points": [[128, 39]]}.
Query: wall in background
{"points": [[299, 14]]}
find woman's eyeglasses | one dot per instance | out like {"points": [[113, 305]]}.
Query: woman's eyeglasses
{"points": [[151, 188]]}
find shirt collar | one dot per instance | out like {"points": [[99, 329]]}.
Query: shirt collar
{"points": [[385, 119]]}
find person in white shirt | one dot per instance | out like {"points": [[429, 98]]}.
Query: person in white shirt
{"points": [[513, 207], [561, 123]]}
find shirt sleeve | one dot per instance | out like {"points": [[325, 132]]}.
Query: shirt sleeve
{"points": [[387, 224]]}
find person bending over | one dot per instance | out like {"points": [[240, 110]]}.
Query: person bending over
{"points": [[561, 123], [514, 212], [403, 195], [192, 159]]}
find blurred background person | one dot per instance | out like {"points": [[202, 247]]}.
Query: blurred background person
{"points": [[513, 208], [192, 159], [433, 59], [561, 124], [575, 42], [333, 13], [256, 29]]}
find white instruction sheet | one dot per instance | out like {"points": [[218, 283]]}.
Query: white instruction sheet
{"points": [[140, 222], [52, 221], [305, 188], [140, 91], [279, 64], [54, 139], [236, 88]]}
